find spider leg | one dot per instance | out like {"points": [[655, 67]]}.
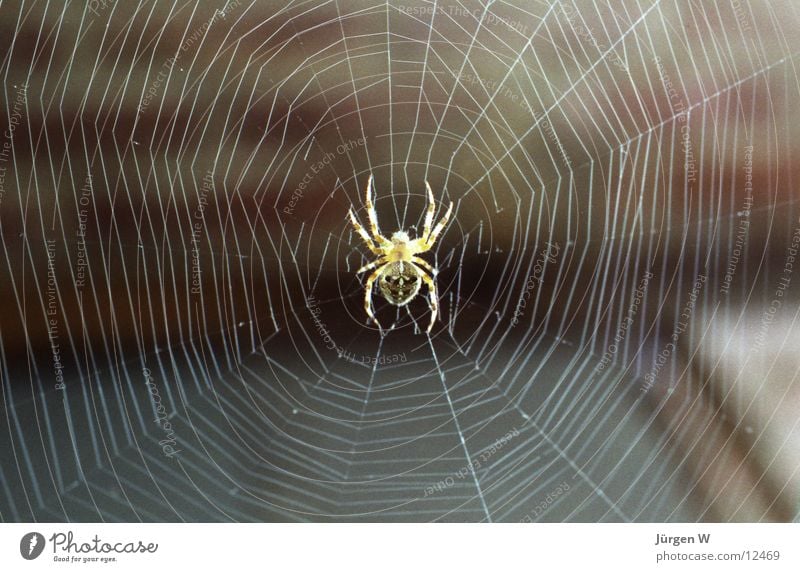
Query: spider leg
{"points": [[363, 233], [424, 264], [429, 214], [440, 225], [368, 296], [433, 296], [427, 242], [373, 216], [371, 265]]}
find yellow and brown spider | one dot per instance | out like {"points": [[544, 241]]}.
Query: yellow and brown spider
{"points": [[399, 270]]}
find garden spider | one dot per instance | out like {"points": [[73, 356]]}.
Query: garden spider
{"points": [[399, 270]]}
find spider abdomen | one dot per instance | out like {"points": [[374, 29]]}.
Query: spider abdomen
{"points": [[399, 282]]}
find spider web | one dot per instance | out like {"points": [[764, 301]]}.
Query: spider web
{"points": [[174, 224]]}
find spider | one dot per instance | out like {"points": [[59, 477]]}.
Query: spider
{"points": [[399, 270]]}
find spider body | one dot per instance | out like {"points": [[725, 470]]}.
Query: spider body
{"points": [[399, 282], [399, 270]]}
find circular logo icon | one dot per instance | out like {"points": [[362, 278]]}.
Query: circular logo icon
{"points": [[31, 545]]}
